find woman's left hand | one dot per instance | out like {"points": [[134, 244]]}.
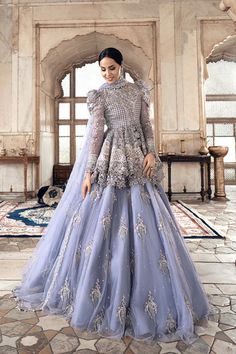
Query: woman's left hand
{"points": [[149, 163]]}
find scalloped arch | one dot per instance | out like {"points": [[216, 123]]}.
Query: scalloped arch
{"points": [[83, 49], [225, 50]]}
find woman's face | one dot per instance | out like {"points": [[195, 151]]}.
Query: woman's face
{"points": [[110, 70]]}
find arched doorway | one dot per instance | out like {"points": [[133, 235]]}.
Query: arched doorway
{"points": [[77, 52]]}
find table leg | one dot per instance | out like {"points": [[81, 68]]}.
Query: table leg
{"points": [[209, 190], [169, 181], [25, 178], [37, 179], [202, 181]]}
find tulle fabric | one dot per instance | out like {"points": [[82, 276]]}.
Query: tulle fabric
{"points": [[118, 266]]}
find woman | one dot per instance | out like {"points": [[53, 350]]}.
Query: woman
{"points": [[113, 259]]}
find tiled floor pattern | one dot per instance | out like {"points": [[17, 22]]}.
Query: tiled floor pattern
{"points": [[34, 332]]}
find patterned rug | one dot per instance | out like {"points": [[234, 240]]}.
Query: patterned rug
{"points": [[30, 219]]}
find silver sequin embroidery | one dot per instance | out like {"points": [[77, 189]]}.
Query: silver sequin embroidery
{"points": [[145, 195], [151, 306], [121, 311], [65, 291], [98, 320], [170, 323], [140, 227], [89, 247], [123, 229], [95, 292], [77, 218], [163, 264], [106, 223]]}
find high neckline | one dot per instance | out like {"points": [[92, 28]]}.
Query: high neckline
{"points": [[114, 85]]}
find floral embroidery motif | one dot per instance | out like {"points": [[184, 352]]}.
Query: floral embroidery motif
{"points": [[145, 195], [95, 292], [89, 247], [98, 320], [121, 311], [128, 320], [171, 324], [163, 264], [58, 263], [69, 310], [94, 195], [123, 230], [65, 291], [151, 306], [77, 218], [106, 222], [140, 227]]}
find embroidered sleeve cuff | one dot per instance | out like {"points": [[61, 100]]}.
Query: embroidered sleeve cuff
{"points": [[151, 146], [91, 164]]}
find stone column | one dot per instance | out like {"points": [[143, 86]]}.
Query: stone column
{"points": [[219, 152]]}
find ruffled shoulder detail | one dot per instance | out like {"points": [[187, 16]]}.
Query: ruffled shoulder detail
{"points": [[144, 90], [94, 98]]}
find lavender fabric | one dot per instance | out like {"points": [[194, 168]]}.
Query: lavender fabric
{"points": [[115, 263]]}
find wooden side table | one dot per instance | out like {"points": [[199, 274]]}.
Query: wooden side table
{"points": [[205, 165], [25, 160]]}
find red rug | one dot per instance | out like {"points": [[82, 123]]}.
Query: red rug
{"points": [[30, 219]]}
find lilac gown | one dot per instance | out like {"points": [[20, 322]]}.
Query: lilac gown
{"points": [[116, 263]]}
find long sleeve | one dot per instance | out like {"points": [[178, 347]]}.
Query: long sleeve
{"points": [[145, 117], [95, 105]]}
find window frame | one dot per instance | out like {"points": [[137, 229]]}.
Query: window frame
{"points": [[72, 122], [223, 120]]}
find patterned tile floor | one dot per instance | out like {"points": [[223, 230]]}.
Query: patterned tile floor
{"points": [[34, 332]]}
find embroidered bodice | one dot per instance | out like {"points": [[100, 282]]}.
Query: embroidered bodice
{"points": [[116, 153]]}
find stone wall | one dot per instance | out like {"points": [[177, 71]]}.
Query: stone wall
{"points": [[164, 42]]}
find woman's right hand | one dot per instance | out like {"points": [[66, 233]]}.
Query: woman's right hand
{"points": [[86, 186]]}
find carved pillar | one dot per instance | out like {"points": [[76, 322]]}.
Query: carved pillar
{"points": [[219, 152]]}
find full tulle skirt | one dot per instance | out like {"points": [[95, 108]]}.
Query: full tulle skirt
{"points": [[116, 264]]}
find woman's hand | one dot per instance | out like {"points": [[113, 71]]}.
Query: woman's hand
{"points": [[149, 163], [86, 186]]}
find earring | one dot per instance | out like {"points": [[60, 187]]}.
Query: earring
{"points": [[122, 73]]}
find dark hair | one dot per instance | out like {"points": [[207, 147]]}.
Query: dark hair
{"points": [[112, 53]]}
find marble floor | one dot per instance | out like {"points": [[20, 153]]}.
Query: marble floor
{"points": [[35, 332]]}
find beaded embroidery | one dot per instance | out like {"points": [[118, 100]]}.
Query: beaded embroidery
{"points": [[95, 292], [65, 291], [95, 194], [170, 323], [145, 195], [77, 218], [151, 306], [121, 311], [140, 227], [163, 264], [89, 247], [106, 222], [98, 320], [116, 156], [123, 230]]}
